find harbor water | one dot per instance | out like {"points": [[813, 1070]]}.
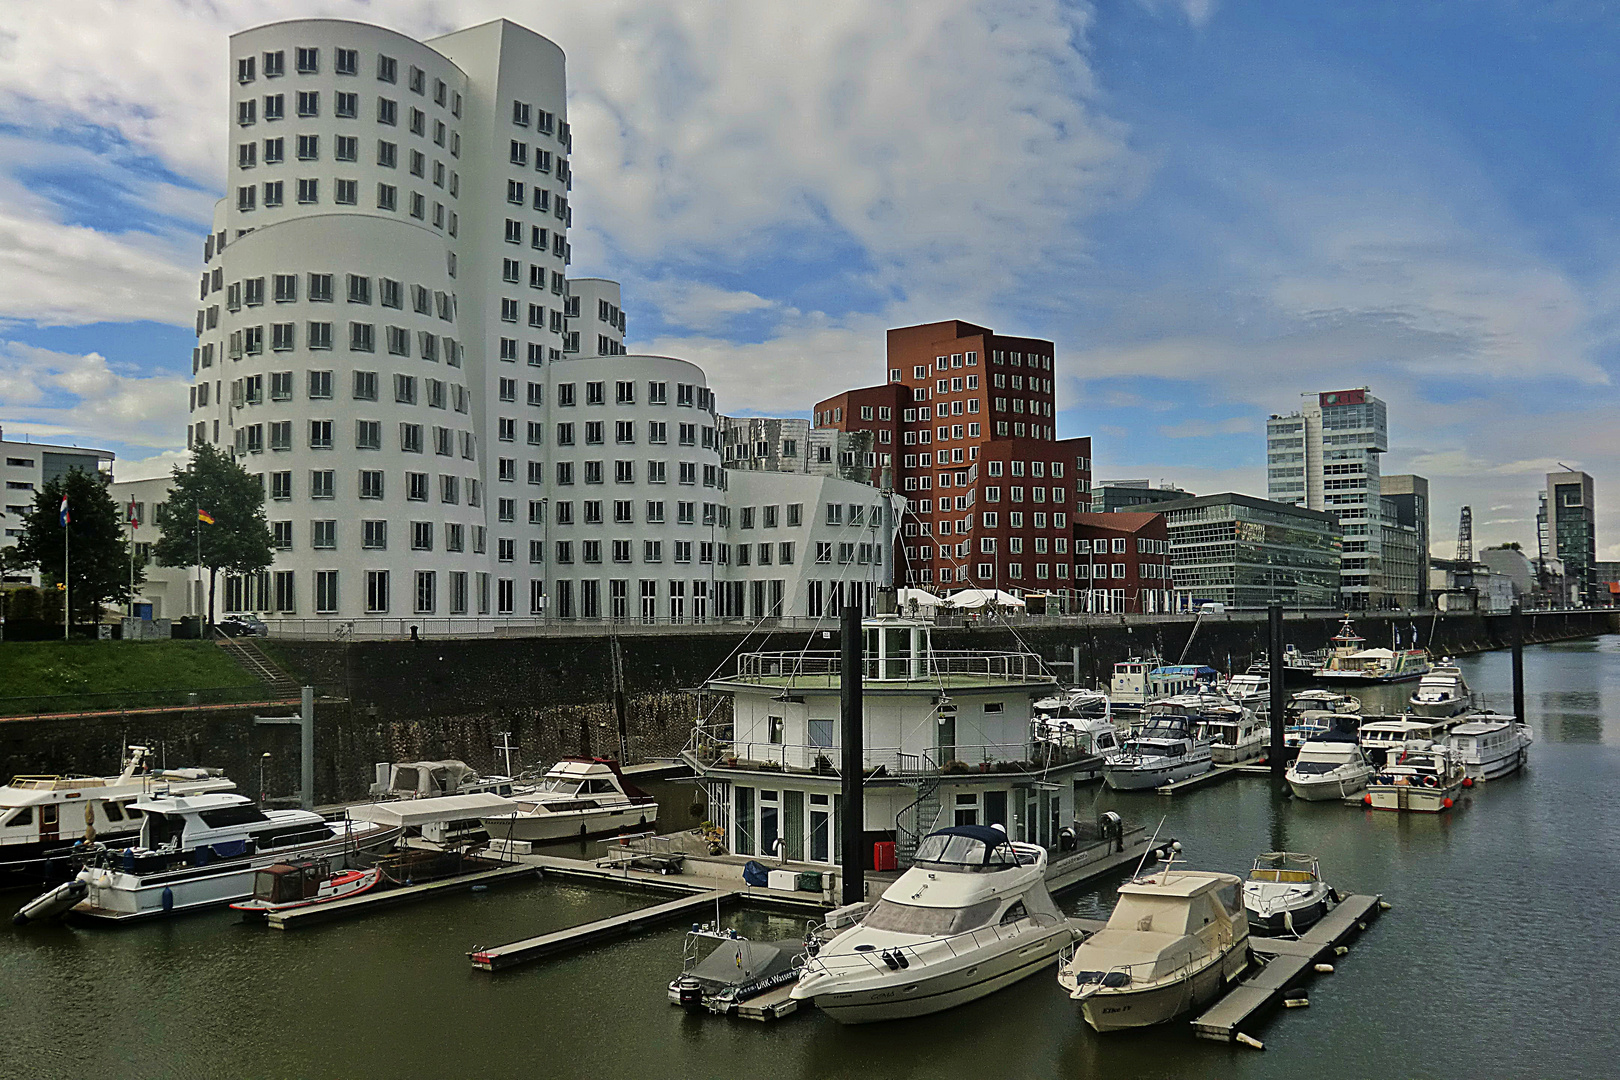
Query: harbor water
{"points": [[1499, 958]]}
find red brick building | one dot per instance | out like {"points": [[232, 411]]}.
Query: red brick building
{"points": [[965, 428], [1122, 563]]}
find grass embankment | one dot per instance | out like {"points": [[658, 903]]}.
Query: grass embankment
{"points": [[59, 676]]}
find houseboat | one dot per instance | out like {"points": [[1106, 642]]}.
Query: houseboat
{"points": [[1490, 745], [949, 741]]}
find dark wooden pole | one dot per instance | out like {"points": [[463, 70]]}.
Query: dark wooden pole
{"points": [[1516, 625], [1279, 691], [852, 815]]}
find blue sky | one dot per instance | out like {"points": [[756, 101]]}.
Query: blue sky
{"points": [[1210, 206]]}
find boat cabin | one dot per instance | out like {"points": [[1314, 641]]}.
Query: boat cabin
{"points": [[1394, 734], [287, 883], [1485, 736], [433, 779], [948, 739]]}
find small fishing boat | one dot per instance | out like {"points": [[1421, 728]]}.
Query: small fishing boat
{"points": [[1491, 745], [1285, 894], [1424, 776], [1164, 749], [1176, 940], [1442, 692], [284, 886], [1351, 664], [970, 916], [1329, 766], [578, 797]]}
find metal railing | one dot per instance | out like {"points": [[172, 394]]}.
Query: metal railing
{"points": [[708, 749], [938, 664]]}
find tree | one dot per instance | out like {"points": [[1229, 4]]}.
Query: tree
{"points": [[238, 541], [97, 547]]}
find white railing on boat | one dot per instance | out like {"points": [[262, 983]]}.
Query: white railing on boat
{"points": [[936, 665]]}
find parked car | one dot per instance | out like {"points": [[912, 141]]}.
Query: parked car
{"points": [[243, 626], [1203, 609]]}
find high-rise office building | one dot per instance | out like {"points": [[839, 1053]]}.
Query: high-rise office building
{"points": [[1326, 457], [1572, 532]]}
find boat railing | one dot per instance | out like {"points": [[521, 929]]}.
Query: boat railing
{"points": [[1033, 755], [935, 665], [1147, 971]]}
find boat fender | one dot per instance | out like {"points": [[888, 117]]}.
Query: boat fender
{"points": [[1366, 800], [1297, 1002], [1468, 781], [1249, 1041], [1446, 802], [1383, 905], [1340, 950], [900, 956], [889, 959], [168, 898], [1361, 926], [1323, 969], [1333, 894]]}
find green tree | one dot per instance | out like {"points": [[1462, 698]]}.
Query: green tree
{"points": [[97, 545], [238, 542]]}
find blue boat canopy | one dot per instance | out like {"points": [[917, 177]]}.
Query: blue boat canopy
{"points": [[968, 846], [1197, 671]]}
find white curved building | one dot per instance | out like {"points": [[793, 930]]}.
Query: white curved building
{"points": [[446, 424]]}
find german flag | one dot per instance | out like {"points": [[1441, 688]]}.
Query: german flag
{"points": [[204, 516]]}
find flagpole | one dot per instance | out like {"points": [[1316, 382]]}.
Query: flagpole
{"points": [[67, 610]]}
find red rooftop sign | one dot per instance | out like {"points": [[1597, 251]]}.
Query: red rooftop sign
{"points": [[1343, 397]]}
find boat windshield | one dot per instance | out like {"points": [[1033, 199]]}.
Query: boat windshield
{"points": [[930, 921], [958, 851], [557, 785], [1317, 768]]}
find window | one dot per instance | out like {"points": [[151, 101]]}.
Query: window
{"points": [[368, 434], [320, 434], [281, 485], [309, 103], [376, 591], [322, 484], [362, 337], [371, 483], [323, 535], [416, 486]]}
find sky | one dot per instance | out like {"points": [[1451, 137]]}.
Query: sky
{"points": [[1211, 206]]}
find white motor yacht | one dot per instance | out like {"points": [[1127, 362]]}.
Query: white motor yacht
{"points": [[1252, 688], [1176, 940], [578, 797], [1322, 701], [1164, 749], [1491, 745], [196, 851], [1084, 736], [1234, 733], [1423, 776], [1285, 894], [1078, 703], [1388, 735], [1442, 693], [971, 916], [44, 819], [1328, 766]]}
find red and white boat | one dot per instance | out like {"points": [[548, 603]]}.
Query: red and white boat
{"points": [[285, 886]]}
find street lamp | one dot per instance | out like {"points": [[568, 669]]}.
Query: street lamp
{"points": [[264, 759]]}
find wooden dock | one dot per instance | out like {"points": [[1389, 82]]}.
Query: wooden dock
{"points": [[355, 905], [1072, 871], [1286, 962], [501, 957], [1216, 775]]}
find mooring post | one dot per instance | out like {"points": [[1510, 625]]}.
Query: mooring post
{"points": [[306, 713], [1516, 629], [1278, 677], [852, 814]]}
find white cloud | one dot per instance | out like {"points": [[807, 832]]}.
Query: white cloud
{"points": [[54, 395], [149, 468], [1188, 429], [693, 305]]}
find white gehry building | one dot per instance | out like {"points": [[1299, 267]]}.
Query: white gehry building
{"points": [[447, 425]]}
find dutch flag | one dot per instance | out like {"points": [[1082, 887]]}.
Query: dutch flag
{"points": [[65, 516]]}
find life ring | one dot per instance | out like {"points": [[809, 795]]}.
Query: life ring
{"points": [[1431, 781]]}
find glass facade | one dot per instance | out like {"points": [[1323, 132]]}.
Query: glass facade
{"points": [[1245, 552]]}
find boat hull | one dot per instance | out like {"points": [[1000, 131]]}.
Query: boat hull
{"points": [[1497, 767], [910, 993], [1356, 678], [118, 897], [1124, 1008], [1302, 919], [1136, 778], [1335, 785], [1439, 710], [1237, 755], [1413, 797], [569, 824]]}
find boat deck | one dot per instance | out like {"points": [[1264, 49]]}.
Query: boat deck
{"points": [[1286, 961], [831, 683]]}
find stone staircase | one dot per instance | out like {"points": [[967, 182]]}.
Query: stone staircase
{"points": [[246, 652]]}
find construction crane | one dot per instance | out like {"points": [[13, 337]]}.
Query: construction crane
{"points": [[1465, 537]]}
